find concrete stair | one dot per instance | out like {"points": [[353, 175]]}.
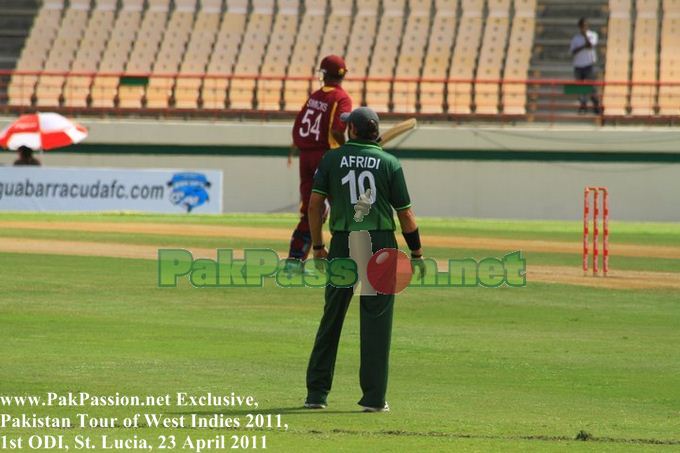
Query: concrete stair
{"points": [[16, 19], [556, 24]]}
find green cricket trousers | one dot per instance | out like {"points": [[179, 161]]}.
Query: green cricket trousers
{"points": [[375, 329]]}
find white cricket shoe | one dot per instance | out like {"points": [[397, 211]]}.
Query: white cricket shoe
{"points": [[314, 405], [385, 408]]}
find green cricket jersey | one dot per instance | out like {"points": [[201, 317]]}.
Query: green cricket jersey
{"points": [[345, 173]]}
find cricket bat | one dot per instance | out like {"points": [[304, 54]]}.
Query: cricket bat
{"points": [[397, 130]]}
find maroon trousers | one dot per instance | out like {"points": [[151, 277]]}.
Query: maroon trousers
{"points": [[301, 240]]}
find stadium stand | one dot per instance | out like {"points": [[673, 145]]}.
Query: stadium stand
{"points": [[669, 71], [384, 59], [45, 29], [255, 40], [411, 55], [16, 21], [171, 53], [615, 97], [261, 44], [492, 54], [645, 54], [224, 55], [465, 54], [403, 56], [123, 35], [144, 53], [278, 55], [518, 57], [62, 53], [90, 52], [438, 57], [303, 62], [335, 39], [336, 34], [551, 62], [194, 66], [361, 40]]}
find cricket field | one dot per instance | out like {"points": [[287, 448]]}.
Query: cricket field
{"points": [[568, 362]]}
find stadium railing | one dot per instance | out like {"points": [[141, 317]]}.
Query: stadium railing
{"points": [[547, 100]]}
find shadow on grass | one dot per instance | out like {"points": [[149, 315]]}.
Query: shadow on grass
{"points": [[295, 410]]}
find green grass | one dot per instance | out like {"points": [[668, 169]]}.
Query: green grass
{"points": [[643, 233], [438, 252], [471, 370]]}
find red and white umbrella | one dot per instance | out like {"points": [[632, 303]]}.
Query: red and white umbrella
{"points": [[42, 131]]}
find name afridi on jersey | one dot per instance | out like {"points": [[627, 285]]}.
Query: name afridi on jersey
{"points": [[349, 171]]}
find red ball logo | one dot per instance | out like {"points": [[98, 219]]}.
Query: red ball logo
{"points": [[389, 271]]}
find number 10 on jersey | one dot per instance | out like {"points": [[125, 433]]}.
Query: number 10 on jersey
{"points": [[357, 186]]}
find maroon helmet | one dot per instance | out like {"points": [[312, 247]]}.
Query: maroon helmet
{"points": [[333, 66]]}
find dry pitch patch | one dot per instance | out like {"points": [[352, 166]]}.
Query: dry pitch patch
{"points": [[535, 273], [483, 243]]}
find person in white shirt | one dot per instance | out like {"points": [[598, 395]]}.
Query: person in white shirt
{"points": [[582, 49]]}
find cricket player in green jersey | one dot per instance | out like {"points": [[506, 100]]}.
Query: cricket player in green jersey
{"points": [[350, 177]]}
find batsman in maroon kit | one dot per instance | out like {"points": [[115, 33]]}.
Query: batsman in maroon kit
{"points": [[318, 128]]}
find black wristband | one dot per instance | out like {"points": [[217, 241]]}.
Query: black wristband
{"points": [[319, 247], [416, 256], [412, 239]]}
